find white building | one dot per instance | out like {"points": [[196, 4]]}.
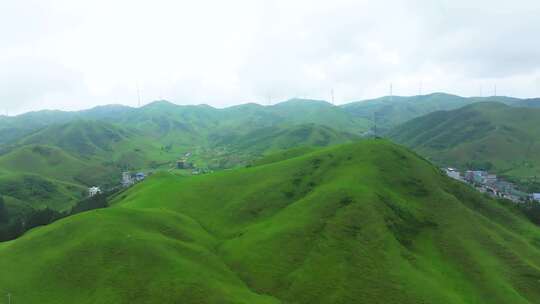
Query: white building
{"points": [[93, 191], [536, 197], [453, 173], [127, 180]]}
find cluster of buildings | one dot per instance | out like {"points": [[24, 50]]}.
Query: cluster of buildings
{"points": [[184, 164], [129, 178], [93, 191], [488, 183]]}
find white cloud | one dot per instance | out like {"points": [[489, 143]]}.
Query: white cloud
{"points": [[76, 54]]}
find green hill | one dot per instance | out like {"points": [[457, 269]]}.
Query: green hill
{"points": [[391, 111], [92, 147], [486, 135], [272, 139], [54, 162], [39, 192], [300, 111], [85, 138], [368, 222]]}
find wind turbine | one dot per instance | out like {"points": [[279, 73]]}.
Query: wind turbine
{"points": [[138, 95]]}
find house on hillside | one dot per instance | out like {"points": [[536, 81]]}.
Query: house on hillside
{"points": [[489, 179], [183, 164], [180, 164], [92, 191], [475, 177], [139, 176], [536, 197], [126, 179], [453, 173]]}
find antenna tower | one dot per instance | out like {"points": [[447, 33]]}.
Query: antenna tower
{"points": [[374, 124], [138, 96]]}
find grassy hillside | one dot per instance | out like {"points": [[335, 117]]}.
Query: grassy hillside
{"points": [[367, 222], [84, 153], [38, 192], [268, 140], [56, 163], [84, 138], [390, 111], [483, 135]]}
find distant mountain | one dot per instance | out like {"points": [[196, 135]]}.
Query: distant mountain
{"points": [[390, 111], [55, 163], [487, 135], [272, 139], [194, 123], [369, 222], [103, 141], [85, 138]]}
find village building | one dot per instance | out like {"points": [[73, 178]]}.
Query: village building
{"points": [[489, 179], [183, 164], [476, 177], [126, 179], [180, 164], [453, 173], [93, 191], [139, 176], [536, 197]]}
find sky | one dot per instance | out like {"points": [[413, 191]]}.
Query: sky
{"points": [[70, 54]]}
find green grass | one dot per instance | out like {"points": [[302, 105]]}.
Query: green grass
{"points": [[492, 136], [368, 222], [39, 192]]}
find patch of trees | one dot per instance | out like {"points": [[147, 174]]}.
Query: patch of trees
{"points": [[3, 211], [531, 209], [12, 228], [29, 186], [479, 165]]}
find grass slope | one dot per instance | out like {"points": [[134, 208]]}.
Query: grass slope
{"points": [[391, 111], [502, 138], [55, 163], [272, 139], [368, 222], [84, 138]]}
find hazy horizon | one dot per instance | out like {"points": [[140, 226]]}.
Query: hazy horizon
{"points": [[255, 102], [72, 55]]}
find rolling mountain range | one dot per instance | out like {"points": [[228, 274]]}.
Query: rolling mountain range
{"points": [[55, 156], [92, 147], [368, 222], [487, 135], [292, 220], [391, 111]]}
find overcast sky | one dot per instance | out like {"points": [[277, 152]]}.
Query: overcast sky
{"points": [[77, 54]]}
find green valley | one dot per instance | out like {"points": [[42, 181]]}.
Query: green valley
{"points": [[366, 222]]}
